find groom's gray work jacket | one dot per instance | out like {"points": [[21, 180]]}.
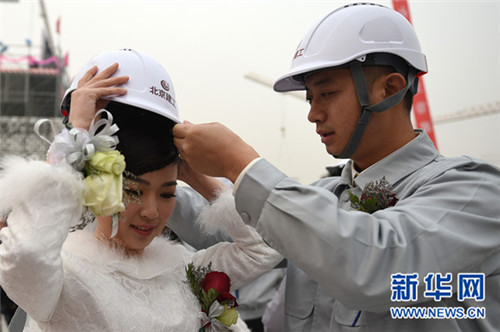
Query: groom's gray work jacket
{"points": [[431, 253]]}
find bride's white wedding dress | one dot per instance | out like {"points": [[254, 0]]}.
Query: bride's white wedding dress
{"points": [[78, 283]]}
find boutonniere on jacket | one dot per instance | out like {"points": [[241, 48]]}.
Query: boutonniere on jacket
{"points": [[376, 195], [212, 290]]}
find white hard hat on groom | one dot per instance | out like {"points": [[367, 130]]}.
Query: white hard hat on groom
{"points": [[149, 86], [350, 33], [352, 36]]}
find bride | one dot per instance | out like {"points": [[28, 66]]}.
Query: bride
{"points": [[124, 275]]}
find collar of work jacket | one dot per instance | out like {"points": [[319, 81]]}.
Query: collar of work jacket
{"points": [[414, 155]]}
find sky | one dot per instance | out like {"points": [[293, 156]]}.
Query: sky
{"points": [[209, 47]]}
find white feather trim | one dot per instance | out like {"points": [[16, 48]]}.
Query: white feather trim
{"points": [[25, 181], [160, 257], [220, 215]]}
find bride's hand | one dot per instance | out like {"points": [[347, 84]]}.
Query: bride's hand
{"points": [[86, 100]]}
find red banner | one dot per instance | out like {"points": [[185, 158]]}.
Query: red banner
{"points": [[420, 105]]}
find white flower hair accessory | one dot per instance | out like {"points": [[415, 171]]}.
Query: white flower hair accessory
{"points": [[93, 153]]}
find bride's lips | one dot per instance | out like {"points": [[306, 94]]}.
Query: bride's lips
{"points": [[143, 230]]}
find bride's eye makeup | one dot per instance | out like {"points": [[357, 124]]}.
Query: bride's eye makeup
{"points": [[130, 192]]}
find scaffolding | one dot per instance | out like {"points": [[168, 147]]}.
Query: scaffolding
{"points": [[27, 95], [29, 92], [31, 88]]}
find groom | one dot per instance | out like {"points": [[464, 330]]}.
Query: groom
{"points": [[399, 226]]}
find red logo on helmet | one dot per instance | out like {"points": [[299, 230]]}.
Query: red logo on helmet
{"points": [[299, 52], [164, 85]]}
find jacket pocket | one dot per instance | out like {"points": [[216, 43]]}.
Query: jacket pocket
{"points": [[348, 317], [300, 293]]}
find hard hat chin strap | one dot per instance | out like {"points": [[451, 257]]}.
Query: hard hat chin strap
{"points": [[367, 110]]}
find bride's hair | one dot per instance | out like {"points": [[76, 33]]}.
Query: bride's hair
{"points": [[145, 138]]}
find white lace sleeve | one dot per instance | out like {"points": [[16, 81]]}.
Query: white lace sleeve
{"points": [[245, 259], [41, 202]]}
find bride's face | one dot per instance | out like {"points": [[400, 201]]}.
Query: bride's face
{"points": [[149, 201]]}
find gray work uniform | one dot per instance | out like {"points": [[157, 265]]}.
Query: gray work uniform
{"points": [[340, 261]]}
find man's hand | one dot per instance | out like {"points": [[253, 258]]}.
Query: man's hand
{"points": [[209, 187], [213, 149]]}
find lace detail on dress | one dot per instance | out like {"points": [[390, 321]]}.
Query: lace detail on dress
{"points": [[115, 301]]}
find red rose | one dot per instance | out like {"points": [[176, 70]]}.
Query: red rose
{"points": [[221, 283], [393, 200]]}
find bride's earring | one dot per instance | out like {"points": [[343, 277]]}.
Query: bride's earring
{"points": [[114, 228]]}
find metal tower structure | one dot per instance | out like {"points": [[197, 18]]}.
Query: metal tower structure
{"points": [[30, 88]]}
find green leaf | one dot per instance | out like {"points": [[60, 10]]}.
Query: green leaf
{"points": [[354, 199], [370, 205], [212, 293]]}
